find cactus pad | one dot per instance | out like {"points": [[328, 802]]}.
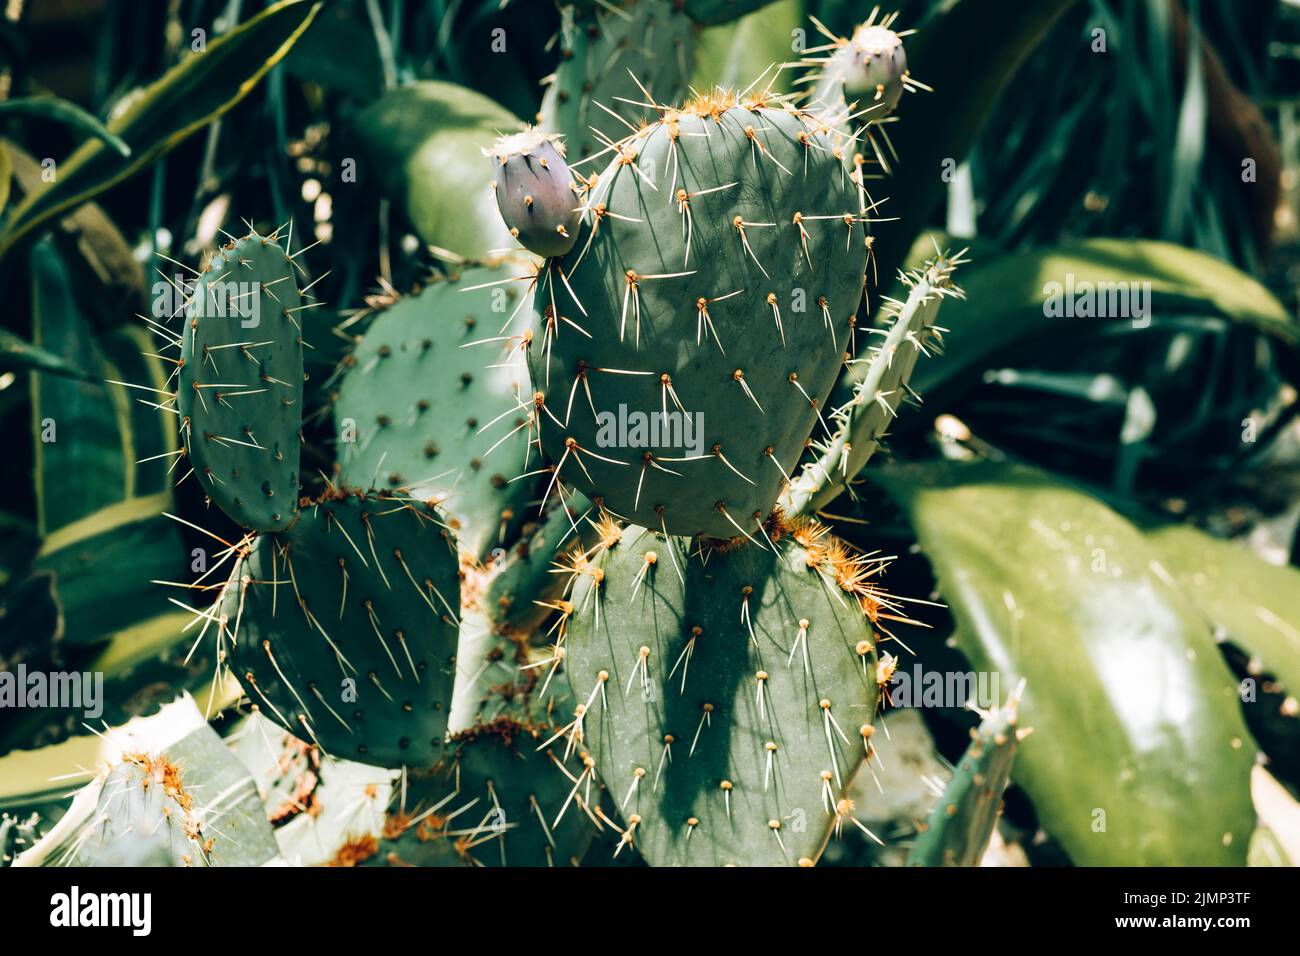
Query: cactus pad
{"points": [[727, 702], [493, 800], [416, 410], [345, 627], [240, 382], [721, 261], [615, 55], [962, 822]]}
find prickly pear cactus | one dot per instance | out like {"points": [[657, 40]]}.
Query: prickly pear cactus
{"points": [[536, 192], [727, 698], [869, 68], [187, 803], [685, 346], [344, 627], [426, 412], [861, 79], [962, 822], [616, 60], [241, 382], [498, 798], [875, 387]]}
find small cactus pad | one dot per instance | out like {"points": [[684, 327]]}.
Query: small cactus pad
{"points": [[961, 823], [240, 382], [727, 698], [721, 261], [617, 55], [536, 192], [345, 627], [496, 799], [874, 388], [421, 415]]}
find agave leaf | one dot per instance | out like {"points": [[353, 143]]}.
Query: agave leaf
{"points": [[1139, 755], [87, 558], [79, 445], [1005, 295], [943, 125], [186, 98], [17, 353], [67, 113]]}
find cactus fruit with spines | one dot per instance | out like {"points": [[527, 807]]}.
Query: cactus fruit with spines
{"points": [[343, 628], [727, 704], [240, 381], [437, 402], [962, 821], [721, 259], [861, 79], [536, 192]]}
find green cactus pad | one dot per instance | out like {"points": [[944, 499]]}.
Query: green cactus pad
{"points": [[874, 388], [345, 627], [240, 382], [416, 410], [961, 823], [727, 698], [601, 50], [722, 297], [185, 802], [496, 799]]}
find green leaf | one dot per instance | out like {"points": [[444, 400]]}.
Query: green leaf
{"points": [[1137, 727], [942, 125], [423, 144], [1255, 603], [338, 51], [68, 114], [1005, 295], [87, 559], [17, 353], [81, 464], [130, 354], [186, 98]]}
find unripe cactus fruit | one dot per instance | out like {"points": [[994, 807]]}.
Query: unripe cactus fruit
{"points": [[536, 192], [722, 257], [874, 66]]}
